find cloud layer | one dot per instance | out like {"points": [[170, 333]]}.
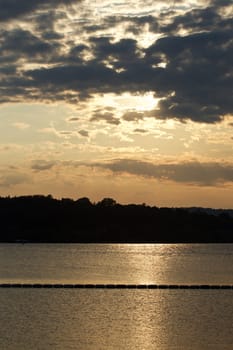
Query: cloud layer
{"points": [[12, 9], [196, 173], [188, 65]]}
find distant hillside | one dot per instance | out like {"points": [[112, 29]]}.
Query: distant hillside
{"points": [[211, 211], [45, 219]]}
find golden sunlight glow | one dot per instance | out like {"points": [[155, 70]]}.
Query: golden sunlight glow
{"points": [[146, 38], [137, 102], [127, 101]]}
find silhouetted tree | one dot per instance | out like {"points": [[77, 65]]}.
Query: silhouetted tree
{"points": [[45, 219], [107, 202], [84, 202]]}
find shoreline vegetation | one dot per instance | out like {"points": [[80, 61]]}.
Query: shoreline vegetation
{"points": [[44, 219]]}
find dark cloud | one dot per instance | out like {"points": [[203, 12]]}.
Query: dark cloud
{"points": [[140, 131], [108, 117], [73, 119], [45, 24], [135, 25], [196, 82], [196, 20], [22, 43], [45, 20], [83, 133], [192, 72], [42, 165], [52, 35], [206, 174], [65, 132], [8, 70], [120, 54], [91, 76], [133, 116], [198, 77], [220, 3], [11, 9]]}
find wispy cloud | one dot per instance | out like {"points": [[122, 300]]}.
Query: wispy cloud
{"points": [[21, 126], [42, 165], [13, 179], [108, 117], [196, 173]]}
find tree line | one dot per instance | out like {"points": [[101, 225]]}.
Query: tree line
{"points": [[41, 218]]}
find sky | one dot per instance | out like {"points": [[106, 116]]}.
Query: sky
{"points": [[131, 100]]}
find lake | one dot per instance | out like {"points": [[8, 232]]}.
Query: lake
{"points": [[92, 319]]}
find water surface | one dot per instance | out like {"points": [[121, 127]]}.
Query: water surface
{"points": [[117, 263], [84, 319]]}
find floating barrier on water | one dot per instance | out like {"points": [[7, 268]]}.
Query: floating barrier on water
{"points": [[116, 286]]}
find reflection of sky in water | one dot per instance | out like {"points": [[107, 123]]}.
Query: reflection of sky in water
{"points": [[117, 263], [116, 319]]}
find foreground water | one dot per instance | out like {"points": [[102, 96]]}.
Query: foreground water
{"points": [[116, 319]]}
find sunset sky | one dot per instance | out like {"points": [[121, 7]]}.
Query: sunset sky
{"points": [[125, 99]]}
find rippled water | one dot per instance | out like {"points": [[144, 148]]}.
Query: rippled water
{"points": [[117, 263], [83, 319]]}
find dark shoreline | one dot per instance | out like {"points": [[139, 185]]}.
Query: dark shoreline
{"points": [[43, 219]]}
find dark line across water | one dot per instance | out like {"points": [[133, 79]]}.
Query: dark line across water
{"points": [[116, 286]]}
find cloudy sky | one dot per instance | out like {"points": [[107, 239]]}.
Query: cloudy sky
{"points": [[125, 99]]}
